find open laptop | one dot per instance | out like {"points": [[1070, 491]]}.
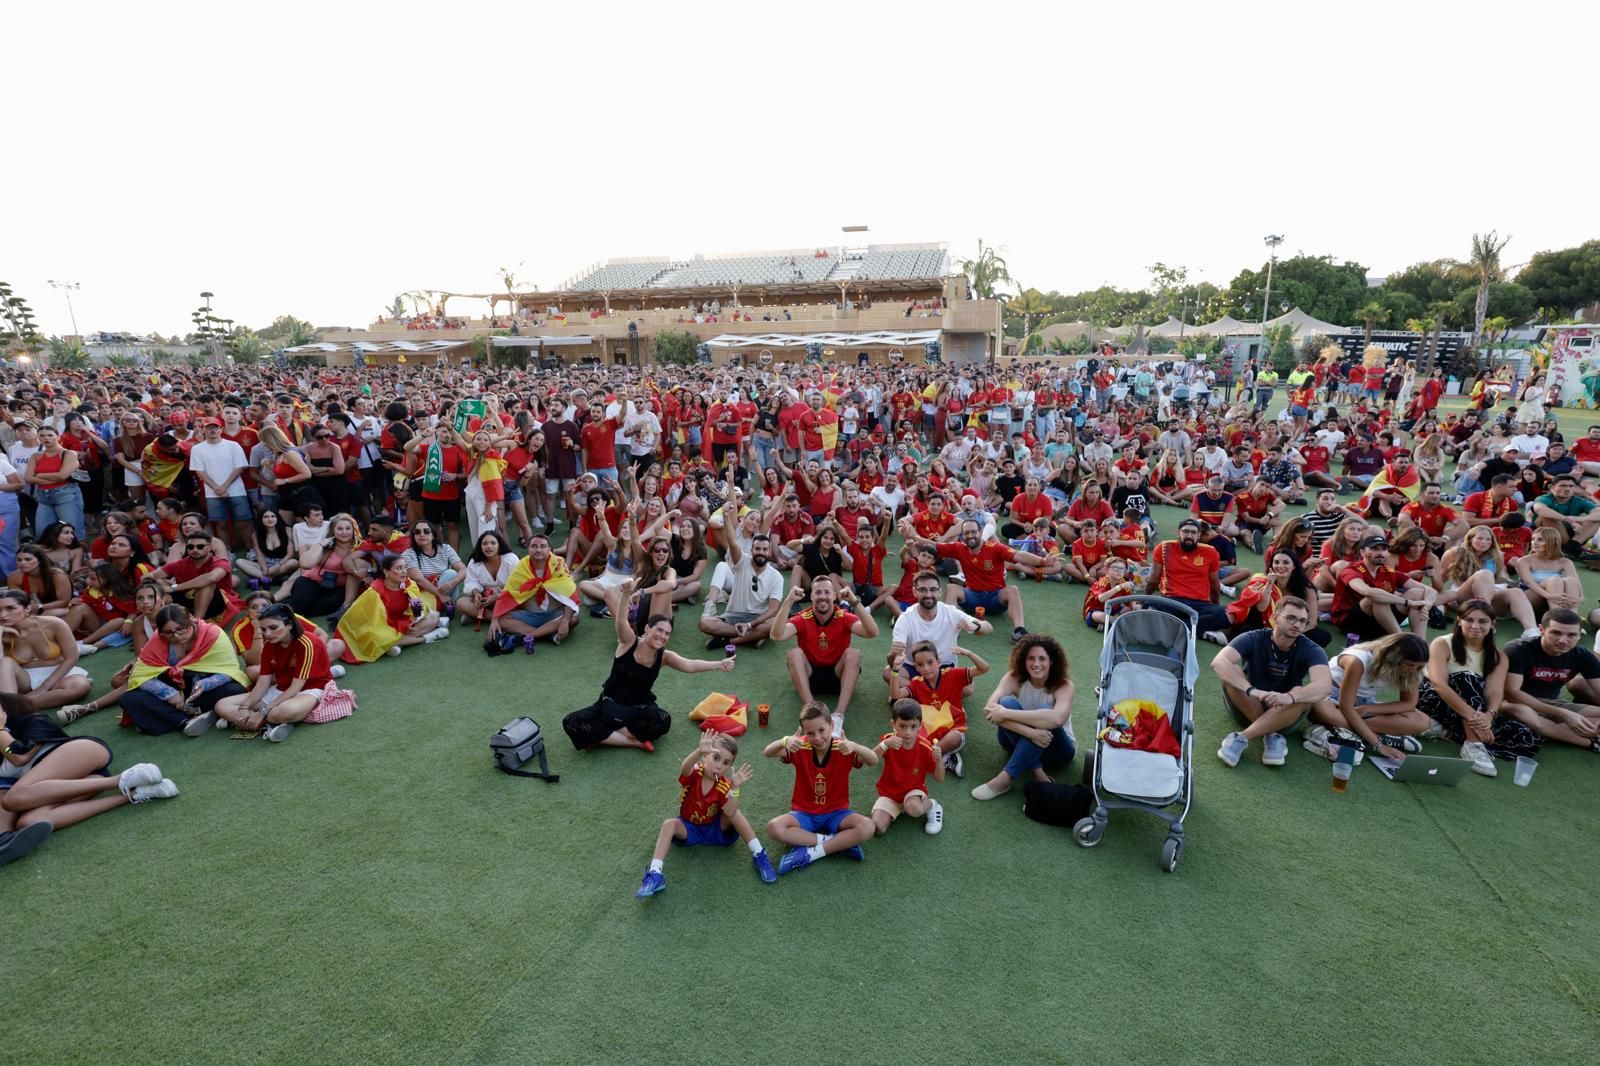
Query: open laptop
{"points": [[1422, 769]]}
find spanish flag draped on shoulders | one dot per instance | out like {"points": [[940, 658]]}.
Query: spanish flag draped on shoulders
{"points": [[211, 653], [534, 588], [377, 620], [160, 466], [1408, 483]]}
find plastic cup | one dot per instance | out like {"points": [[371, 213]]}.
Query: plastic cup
{"points": [[730, 650], [1524, 771], [1341, 776], [978, 612], [763, 713]]}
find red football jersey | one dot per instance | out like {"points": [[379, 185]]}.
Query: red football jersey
{"points": [[1432, 521], [905, 769], [824, 645], [947, 691], [306, 658], [984, 569], [697, 805], [821, 785], [1345, 599]]}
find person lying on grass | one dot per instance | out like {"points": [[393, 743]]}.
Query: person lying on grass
{"points": [[50, 781], [708, 811], [820, 822]]}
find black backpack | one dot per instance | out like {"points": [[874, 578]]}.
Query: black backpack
{"points": [[1056, 804]]}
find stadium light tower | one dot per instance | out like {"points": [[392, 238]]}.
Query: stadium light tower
{"points": [[1272, 241], [66, 288]]}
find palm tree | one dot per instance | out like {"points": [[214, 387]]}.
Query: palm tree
{"points": [[985, 272], [1501, 325], [1486, 250], [1371, 314], [1031, 305]]}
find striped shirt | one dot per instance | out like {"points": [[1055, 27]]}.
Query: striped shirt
{"points": [[1323, 525]]}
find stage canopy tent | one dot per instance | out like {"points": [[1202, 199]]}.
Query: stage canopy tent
{"points": [[897, 338]]}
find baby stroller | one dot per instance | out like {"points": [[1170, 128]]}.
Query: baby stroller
{"points": [[1148, 655]]}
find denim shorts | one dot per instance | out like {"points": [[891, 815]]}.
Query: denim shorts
{"points": [[989, 601], [222, 508], [513, 492], [535, 619]]}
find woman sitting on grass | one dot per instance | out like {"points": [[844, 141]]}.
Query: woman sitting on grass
{"points": [[40, 658], [688, 559], [50, 781], [434, 568], [141, 628], [1359, 673], [295, 671], [488, 569], [98, 615], [1549, 578], [182, 672], [1259, 597], [1031, 709], [249, 641], [388, 616], [1475, 569], [626, 715], [1463, 690], [274, 556], [42, 581]]}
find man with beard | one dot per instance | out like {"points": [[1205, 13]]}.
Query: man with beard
{"points": [[983, 565], [938, 623], [823, 663], [753, 599], [1187, 571]]}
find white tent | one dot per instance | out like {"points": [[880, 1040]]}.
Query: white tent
{"points": [[1225, 325], [1304, 325]]}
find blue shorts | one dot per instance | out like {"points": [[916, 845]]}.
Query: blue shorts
{"points": [[821, 823], [513, 491], [1297, 411], [713, 835], [222, 508], [989, 601]]}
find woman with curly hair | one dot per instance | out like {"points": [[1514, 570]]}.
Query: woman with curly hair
{"points": [[1031, 709]]}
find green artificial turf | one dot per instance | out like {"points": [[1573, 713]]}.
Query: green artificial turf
{"points": [[373, 891]]}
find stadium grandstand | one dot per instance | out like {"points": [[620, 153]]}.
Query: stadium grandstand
{"points": [[878, 303]]}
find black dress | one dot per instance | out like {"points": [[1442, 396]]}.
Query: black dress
{"points": [[627, 701]]}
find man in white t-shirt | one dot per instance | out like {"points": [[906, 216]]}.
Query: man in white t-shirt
{"points": [[1530, 443], [219, 465], [642, 430], [931, 620]]}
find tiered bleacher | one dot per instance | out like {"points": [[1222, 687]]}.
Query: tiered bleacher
{"points": [[622, 276], [914, 263], [750, 270]]}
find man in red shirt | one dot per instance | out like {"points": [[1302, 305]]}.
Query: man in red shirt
{"points": [[1586, 450], [792, 523], [820, 821], [1485, 508], [1257, 512], [983, 564], [599, 437], [817, 419], [1368, 597], [1441, 522], [852, 512], [1187, 571], [1314, 460], [1030, 504], [200, 581], [822, 660], [935, 523]]}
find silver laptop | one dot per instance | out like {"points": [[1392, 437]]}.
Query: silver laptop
{"points": [[1422, 769]]}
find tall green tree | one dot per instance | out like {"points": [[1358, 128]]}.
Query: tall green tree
{"points": [[1564, 280], [1486, 249], [986, 273], [1028, 307], [288, 331], [1317, 284]]}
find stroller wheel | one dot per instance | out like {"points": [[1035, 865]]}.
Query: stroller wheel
{"points": [[1171, 849], [1088, 833]]}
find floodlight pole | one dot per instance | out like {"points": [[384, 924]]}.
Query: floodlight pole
{"points": [[66, 288], [1272, 241]]}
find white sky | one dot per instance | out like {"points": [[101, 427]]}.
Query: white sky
{"points": [[317, 159]]}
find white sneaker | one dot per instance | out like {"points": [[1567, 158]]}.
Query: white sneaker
{"points": [[1482, 761], [1215, 636], [953, 763], [137, 775], [1277, 750], [1435, 731], [201, 724], [336, 671], [433, 636], [164, 789], [86, 649], [1532, 633], [394, 652], [935, 818], [1230, 591], [280, 732]]}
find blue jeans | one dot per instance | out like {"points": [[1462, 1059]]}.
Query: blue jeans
{"points": [[764, 449], [1026, 756], [62, 503], [11, 514]]}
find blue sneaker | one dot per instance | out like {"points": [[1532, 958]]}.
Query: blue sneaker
{"points": [[794, 859], [854, 852], [1233, 746], [763, 867], [653, 882]]}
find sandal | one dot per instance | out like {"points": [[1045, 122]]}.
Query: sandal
{"points": [[72, 712]]}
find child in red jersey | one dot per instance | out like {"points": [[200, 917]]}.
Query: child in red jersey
{"points": [[944, 688], [1513, 536], [1113, 583], [908, 758], [820, 821], [708, 811]]}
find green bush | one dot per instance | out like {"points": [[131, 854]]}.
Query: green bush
{"points": [[674, 348]]}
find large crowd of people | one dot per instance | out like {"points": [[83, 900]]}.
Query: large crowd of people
{"points": [[251, 534]]}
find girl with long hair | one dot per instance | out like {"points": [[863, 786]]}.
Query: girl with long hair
{"points": [[42, 581], [1258, 599], [1476, 569], [1549, 578], [1463, 690], [688, 559], [1390, 728], [488, 569]]}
